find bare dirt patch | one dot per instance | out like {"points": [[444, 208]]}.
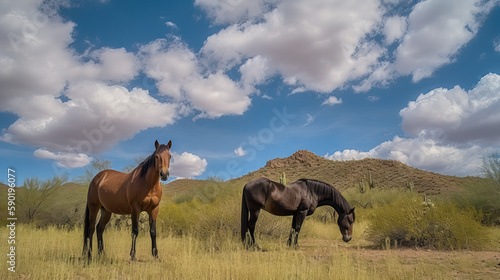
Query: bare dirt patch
{"points": [[452, 264]]}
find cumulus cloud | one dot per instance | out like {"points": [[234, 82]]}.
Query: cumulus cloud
{"points": [[429, 154], [95, 118], [240, 152], [115, 65], [437, 30], [422, 153], [314, 45], [348, 155], [457, 116], [317, 44], [451, 128], [68, 104], [332, 100], [394, 28], [322, 45], [234, 11], [65, 160], [171, 24], [178, 74], [187, 165]]}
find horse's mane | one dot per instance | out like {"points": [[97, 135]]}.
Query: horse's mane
{"points": [[329, 191], [150, 161]]}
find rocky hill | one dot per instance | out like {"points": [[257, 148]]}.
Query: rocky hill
{"points": [[345, 174]]}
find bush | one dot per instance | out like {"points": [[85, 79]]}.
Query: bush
{"points": [[217, 218], [409, 222], [484, 196], [178, 218]]}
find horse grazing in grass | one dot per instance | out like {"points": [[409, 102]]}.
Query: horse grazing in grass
{"points": [[121, 193], [298, 199]]}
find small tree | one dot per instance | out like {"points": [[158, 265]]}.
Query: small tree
{"points": [[129, 168], [491, 169], [96, 166], [36, 194]]}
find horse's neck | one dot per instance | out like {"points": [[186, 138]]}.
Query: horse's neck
{"points": [[333, 199], [152, 177]]}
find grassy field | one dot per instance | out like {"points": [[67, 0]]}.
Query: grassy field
{"points": [[396, 234], [53, 253]]}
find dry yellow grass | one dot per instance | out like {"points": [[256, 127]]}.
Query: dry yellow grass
{"points": [[56, 254]]}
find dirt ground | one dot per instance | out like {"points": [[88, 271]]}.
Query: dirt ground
{"points": [[458, 264]]}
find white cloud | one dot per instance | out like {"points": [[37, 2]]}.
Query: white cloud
{"points": [[255, 71], [332, 100], [178, 74], [394, 28], [425, 154], [38, 66], [66, 160], [217, 95], [234, 11], [348, 155], [323, 45], [171, 24], [116, 65], [451, 128], [317, 44], [240, 152], [187, 165], [373, 98], [309, 120], [457, 116], [437, 30], [496, 45], [428, 154], [95, 118], [430, 36]]}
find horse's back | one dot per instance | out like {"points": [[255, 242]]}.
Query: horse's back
{"points": [[108, 189], [257, 189]]}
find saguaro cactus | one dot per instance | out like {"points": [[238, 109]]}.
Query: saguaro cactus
{"points": [[283, 178]]}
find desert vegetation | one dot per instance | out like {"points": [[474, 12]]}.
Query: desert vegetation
{"points": [[401, 231]]}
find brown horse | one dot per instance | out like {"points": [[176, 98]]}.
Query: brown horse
{"points": [[120, 193], [298, 199]]}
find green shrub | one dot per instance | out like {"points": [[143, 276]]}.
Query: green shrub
{"points": [[218, 217], [484, 196], [178, 219], [408, 222]]}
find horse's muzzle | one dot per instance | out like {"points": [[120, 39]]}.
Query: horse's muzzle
{"points": [[346, 238], [164, 176]]}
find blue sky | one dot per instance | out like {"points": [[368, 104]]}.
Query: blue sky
{"points": [[235, 83]]}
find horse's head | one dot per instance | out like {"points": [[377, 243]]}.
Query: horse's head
{"points": [[162, 159], [345, 222]]}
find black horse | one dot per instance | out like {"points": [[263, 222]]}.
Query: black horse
{"points": [[300, 199]]}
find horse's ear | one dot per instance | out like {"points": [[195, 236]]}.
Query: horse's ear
{"points": [[157, 144], [352, 210], [169, 145]]}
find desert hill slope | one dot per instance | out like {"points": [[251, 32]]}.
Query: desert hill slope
{"points": [[385, 174]]}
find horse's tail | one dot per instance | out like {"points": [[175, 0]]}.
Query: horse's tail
{"points": [[244, 217]]}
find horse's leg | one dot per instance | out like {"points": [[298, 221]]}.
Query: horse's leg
{"points": [[301, 216], [86, 231], [105, 216], [292, 232], [93, 210], [254, 215], [135, 229], [152, 230]]}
